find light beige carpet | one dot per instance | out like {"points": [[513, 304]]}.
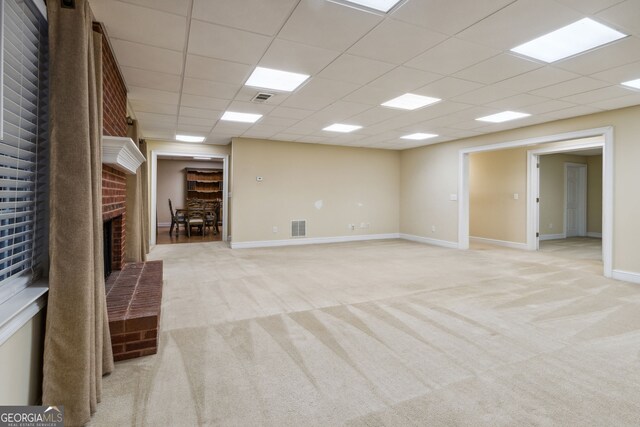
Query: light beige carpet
{"points": [[386, 333]]}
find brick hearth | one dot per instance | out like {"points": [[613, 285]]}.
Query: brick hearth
{"points": [[134, 296]]}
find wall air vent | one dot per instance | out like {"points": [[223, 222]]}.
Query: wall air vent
{"points": [[299, 228], [262, 97]]}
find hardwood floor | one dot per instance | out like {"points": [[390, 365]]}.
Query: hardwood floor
{"points": [[163, 237]]}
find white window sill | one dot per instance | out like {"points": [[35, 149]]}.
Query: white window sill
{"points": [[20, 308]]}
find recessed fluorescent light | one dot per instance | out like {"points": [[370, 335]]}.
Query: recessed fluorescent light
{"points": [[189, 138], [419, 136], [633, 83], [202, 158], [505, 116], [567, 41], [240, 117], [269, 78], [410, 101], [379, 5], [338, 127]]}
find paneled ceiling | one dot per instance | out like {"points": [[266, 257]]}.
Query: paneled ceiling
{"points": [[185, 63]]}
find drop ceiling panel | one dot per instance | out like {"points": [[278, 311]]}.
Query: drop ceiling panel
{"points": [[239, 46], [328, 25], [204, 102], [446, 16], [152, 95], [196, 121], [498, 68], [597, 95], [248, 93], [258, 16], [537, 79], [451, 55], [152, 27], [339, 111], [199, 113], [178, 7], [209, 88], [200, 67], [485, 95], [517, 101], [297, 57], [145, 57], [620, 74], [589, 6], [374, 115], [447, 88], [404, 79], [250, 107], [291, 113], [519, 22], [153, 107], [371, 95], [151, 79], [570, 87], [623, 101], [548, 106], [396, 42], [283, 122], [618, 53], [324, 88], [624, 16], [355, 69]]}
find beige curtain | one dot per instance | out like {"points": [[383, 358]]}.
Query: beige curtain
{"points": [[145, 198], [77, 344], [135, 248]]}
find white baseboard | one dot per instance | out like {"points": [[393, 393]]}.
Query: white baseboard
{"points": [[506, 244], [552, 236], [312, 241], [164, 224], [627, 276], [594, 234], [430, 241]]}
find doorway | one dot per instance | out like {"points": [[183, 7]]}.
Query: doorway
{"points": [[570, 141], [222, 160], [575, 206]]}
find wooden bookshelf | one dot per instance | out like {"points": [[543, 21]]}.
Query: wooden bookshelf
{"points": [[204, 184]]}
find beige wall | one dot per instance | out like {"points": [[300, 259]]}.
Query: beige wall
{"points": [[429, 174], [21, 364], [355, 186], [494, 178], [172, 184], [594, 194]]}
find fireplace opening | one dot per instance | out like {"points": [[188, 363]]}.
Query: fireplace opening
{"points": [[107, 230]]}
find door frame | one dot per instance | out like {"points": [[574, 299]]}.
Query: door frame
{"points": [[557, 143], [154, 188], [582, 190]]}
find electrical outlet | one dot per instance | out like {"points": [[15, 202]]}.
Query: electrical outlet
{"points": [[351, 227], [550, 226], [433, 228], [275, 229], [516, 196]]}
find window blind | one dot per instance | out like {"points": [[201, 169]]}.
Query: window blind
{"points": [[23, 133]]}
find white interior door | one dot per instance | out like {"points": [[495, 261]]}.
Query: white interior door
{"points": [[576, 200]]}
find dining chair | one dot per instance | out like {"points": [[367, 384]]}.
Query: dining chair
{"points": [[195, 217], [177, 218], [211, 216]]}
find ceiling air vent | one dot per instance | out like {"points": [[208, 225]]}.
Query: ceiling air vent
{"points": [[299, 228], [262, 97]]}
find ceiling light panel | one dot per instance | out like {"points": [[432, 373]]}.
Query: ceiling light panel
{"points": [[189, 138], [383, 6], [570, 40], [339, 127], [419, 136], [505, 116], [632, 83], [410, 101], [232, 116], [269, 78]]}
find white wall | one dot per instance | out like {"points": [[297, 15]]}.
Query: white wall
{"points": [[21, 364]]}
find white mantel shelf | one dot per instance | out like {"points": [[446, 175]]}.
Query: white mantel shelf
{"points": [[121, 153]]}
